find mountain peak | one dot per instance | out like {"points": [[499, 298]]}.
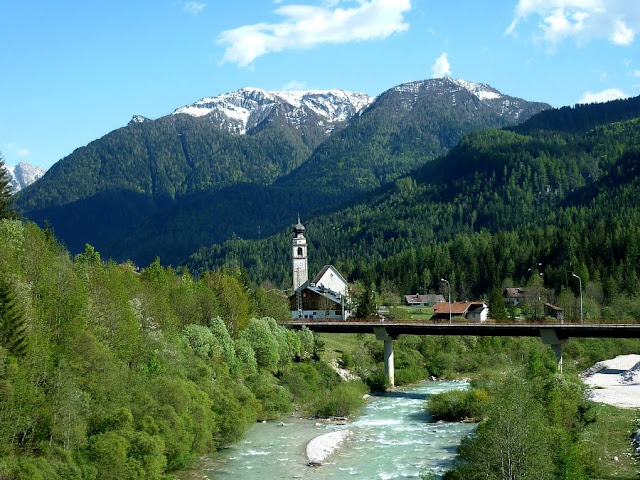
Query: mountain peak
{"points": [[23, 175], [503, 105], [481, 90], [241, 110], [138, 119]]}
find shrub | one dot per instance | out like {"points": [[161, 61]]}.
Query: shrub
{"points": [[457, 405], [343, 400]]}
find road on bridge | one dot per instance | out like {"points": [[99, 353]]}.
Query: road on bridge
{"points": [[488, 329]]}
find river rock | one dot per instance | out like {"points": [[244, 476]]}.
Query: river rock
{"points": [[320, 448]]}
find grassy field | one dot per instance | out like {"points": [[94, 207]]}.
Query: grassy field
{"points": [[609, 436], [414, 313]]}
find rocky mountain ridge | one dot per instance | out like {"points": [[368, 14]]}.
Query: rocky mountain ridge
{"points": [[461, 93], [239, 163], [243, 110], [23, 175]]}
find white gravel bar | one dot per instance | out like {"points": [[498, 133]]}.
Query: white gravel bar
{"points": [[320, 448], [615, 382]]}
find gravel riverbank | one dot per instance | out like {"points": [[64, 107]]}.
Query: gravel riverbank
{"points": [[615, 382]]}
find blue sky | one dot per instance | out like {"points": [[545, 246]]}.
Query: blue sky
{"points": [[73, 71]]}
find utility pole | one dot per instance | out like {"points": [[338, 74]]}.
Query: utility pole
{"points": [[443, 280], [581, 312]]}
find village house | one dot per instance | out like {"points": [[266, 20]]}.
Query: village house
{"points": [[324, 297], [472, 311], [427, 300], [513, 296], [553, 311]]}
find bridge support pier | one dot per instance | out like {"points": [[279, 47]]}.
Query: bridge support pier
{"points": [[550, 337], [381, 334]]}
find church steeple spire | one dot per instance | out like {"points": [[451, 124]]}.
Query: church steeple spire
{"points": [[299, 254], [298, 228]]}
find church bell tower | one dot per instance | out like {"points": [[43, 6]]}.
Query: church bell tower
{"points": [[299, 255]]}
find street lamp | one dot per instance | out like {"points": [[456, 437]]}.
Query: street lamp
{"points": [[580, 280], [449, 285]]}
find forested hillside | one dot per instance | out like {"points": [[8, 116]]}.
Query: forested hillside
{"points": [[107, 373], [405, 127], [169, 186], [114, 183], [497, 205]]}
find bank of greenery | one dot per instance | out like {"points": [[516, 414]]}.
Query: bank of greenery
{"points": [[111, 373], [533, 421]]}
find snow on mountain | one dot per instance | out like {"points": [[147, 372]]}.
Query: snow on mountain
{"points": [[138, 119], [486, 94], [23, 175], [241, 110], [480, 90]]}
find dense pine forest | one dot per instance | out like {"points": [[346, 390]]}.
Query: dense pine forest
{"points": [[553, 196]]}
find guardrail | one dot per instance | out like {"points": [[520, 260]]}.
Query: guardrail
{"points": [[563, 330], [542, 322]]}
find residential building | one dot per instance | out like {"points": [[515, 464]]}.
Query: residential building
{"points": [[472, 311], [427, 300]]}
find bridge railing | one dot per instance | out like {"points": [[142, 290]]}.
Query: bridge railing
{"points": [[464, 321]]}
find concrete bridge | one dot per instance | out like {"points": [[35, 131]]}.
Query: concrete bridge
{"points": [[553, 334]]}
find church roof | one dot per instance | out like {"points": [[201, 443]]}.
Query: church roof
{"points": [[320, 290], [324, 269]]}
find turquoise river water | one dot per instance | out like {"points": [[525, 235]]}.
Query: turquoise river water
{"points": [[393, 437]]}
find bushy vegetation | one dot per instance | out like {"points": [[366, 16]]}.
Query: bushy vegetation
{"points": [[108, 373], [458, 405], [534, 422], [532, 430]]}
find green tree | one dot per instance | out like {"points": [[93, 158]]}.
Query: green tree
{"points": [[366, 304], [258, 334], [6, 195], [497, 308], [514, 442], [12, 328]]}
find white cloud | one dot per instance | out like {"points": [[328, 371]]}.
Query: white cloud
{"points": [[635, 73], [294, 85], [194, 8], [306, 26], [622, 35], [441, 68], [615, 20], [603, 96], [16, 150]]}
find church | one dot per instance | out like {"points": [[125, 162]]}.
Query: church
{"points": [[326, 296]]}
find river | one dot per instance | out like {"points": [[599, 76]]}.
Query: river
{"points": [[393, 437]]}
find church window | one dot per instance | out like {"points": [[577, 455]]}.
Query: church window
{"points": [[299, 251]]}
